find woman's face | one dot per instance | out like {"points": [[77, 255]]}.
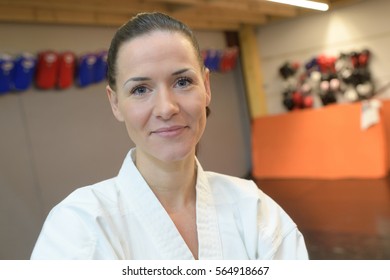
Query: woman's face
{"points": [[161, 96]]}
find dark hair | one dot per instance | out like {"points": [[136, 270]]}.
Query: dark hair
{"points": [[141, 24]]}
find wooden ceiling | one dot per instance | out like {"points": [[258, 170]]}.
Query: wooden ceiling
{"points": [[199, 14]]}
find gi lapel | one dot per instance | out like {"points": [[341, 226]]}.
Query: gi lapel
{"points": [[207, 221], [167, 240]]}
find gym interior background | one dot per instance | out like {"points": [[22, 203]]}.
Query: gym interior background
{"points": [[327, 172]]}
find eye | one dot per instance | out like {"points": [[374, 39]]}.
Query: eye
{"points": [[139, 90], [183, 82]]}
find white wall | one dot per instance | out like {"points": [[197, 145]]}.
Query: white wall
{"points": [[362, 25], [52, 142]]}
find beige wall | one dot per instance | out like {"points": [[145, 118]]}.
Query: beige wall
{"points": [[55, 141]]}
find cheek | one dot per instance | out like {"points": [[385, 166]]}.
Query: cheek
{"points": [[200, 107], [135, 116], [197, 110]]}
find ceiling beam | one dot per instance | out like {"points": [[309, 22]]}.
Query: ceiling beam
{"points": [[202, 14]]}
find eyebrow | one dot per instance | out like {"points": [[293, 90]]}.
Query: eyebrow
{"points": [[142, 79], [137, 79], [181, 71]]}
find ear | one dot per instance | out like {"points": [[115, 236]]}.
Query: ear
{"points": [[206, 81], [113, 98]]}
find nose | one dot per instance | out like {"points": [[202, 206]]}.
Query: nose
{"points": [[166, 105]]}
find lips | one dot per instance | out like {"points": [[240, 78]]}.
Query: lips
{"points": [[169, 131]]}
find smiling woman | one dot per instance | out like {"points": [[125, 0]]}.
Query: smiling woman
{"points": [[160, 87], [162, 204]]}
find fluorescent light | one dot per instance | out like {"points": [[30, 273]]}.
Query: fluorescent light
{"points": [[304, 4]]}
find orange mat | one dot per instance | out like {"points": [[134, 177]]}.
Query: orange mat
{"points": [[323, 143]]}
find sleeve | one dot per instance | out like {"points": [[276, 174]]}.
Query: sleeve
{"points": [[279, 236], [65, 236], [292, 247]]}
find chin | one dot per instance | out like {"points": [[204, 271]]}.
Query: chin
{"points": [[174, 154]]}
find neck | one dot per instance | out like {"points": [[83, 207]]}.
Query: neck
{"points": [[173, 183]]}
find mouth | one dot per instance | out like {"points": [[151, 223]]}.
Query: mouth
{"points": [[170, 131]]}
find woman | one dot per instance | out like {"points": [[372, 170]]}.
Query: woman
{"points": [[162, 205]]}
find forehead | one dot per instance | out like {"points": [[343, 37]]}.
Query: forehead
{"points": [[157, 45]]}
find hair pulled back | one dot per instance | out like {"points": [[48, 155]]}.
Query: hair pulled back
{"points": [[142, 24]]}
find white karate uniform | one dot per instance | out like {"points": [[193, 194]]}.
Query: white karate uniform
{"points": [[121, 218]]}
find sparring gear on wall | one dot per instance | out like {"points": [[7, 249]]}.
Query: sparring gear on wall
{"points": [[23, 72], [66, 71], [47, 70], [100, 71], [86, 69], [229, 59], [6, 66], [331, 79], [212, 60], [220, 60], [50, 69]]}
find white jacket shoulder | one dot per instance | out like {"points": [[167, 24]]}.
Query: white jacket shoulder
{"points": [[230, 188]]}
